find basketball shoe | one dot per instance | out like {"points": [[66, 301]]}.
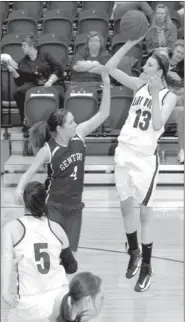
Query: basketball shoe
{"points": [[144, 280], [134, 262]]}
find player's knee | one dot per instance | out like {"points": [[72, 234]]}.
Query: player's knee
{"points": [[127, 206], [146, 214]]}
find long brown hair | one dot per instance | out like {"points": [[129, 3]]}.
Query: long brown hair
{"points": [[163, 62], [43, 131]]}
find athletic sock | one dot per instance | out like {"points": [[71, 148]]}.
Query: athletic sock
{"points": [[132, 240], [147, 253]]}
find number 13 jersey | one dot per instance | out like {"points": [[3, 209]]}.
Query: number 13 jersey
{"points": [[138, 132], [66, 170]]}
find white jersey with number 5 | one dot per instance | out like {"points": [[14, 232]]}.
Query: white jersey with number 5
{"points": [[138, 131], [39, 271]]}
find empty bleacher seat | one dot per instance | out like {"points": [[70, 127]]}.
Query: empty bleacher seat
{"points": [[81, 101], [3, 11], [121, 98], [12, 44], [20, 21], [56, 45], [59, 22], [93, 20], [32, 7], [40, 103], [70, 6], [105, 5]]}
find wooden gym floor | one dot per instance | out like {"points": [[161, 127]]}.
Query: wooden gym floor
{"points": [[102, 252]]}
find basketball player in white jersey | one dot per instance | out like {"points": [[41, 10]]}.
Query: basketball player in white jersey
{"points": [[43, 256], [136, 157]]}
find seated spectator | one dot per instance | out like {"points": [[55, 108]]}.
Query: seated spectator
{"points": [[36, 68], [177, 58], [162, 32], [94, 50]]}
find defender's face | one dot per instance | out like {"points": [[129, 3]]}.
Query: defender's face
{"points": [[178, 53], [70, 125]]}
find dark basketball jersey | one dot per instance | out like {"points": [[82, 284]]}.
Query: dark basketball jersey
{"points": [[66, 170]]}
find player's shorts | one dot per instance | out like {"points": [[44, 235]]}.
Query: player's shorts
{"points": [[37, 308], [69, 218], [136, 175]]}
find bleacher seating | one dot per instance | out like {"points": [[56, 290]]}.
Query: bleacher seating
{"points": [[81, 101], [59, 22], [105, 5], [34, 8], [94, 20], [21, 21], [56, 45], [70, 6], [46, 98]]}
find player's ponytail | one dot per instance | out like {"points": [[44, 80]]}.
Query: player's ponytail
{"points": [[163, 62], [34, 197], [43, 131]]}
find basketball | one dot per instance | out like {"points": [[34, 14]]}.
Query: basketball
{"points": [[133, 25]]}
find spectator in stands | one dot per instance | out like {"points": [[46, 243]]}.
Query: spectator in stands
{"points": [[162, 32], [177, 58], [36, 69], [94, 50]]}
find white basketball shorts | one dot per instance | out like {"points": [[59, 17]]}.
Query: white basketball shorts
{"points": [[36, 308], [136, 175]]}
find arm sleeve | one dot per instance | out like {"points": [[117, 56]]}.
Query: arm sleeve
{"points": [[68, 261]]}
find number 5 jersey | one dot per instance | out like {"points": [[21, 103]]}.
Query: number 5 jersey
{"points": [[138, 132], [66, 171], [39, 271]]}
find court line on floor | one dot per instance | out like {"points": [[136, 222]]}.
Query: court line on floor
{"points": [[121, 252]]}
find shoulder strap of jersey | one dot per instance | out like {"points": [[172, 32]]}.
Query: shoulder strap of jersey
{"points": [[49, 225], [24, 233], [52, 147], [165, 94]]}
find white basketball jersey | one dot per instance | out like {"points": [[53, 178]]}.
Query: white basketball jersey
{"points": [[39, 270], [138, 132]]}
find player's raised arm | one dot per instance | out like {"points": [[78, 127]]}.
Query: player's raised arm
{"points": [[120, 76], [85, 128]]}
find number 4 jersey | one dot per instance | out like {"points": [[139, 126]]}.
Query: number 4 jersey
{"points": [[39, 271], [138, 131], [66, 170]]}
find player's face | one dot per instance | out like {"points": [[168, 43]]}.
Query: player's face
{"points": [[178, 53], [94, 305], [160, 15], [151, 67], [69, 125]]}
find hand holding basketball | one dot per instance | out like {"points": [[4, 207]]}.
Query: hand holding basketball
{"points": [[155, 82]]}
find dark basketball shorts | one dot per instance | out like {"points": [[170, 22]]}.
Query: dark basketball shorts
{"points": [[69, 217]]}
